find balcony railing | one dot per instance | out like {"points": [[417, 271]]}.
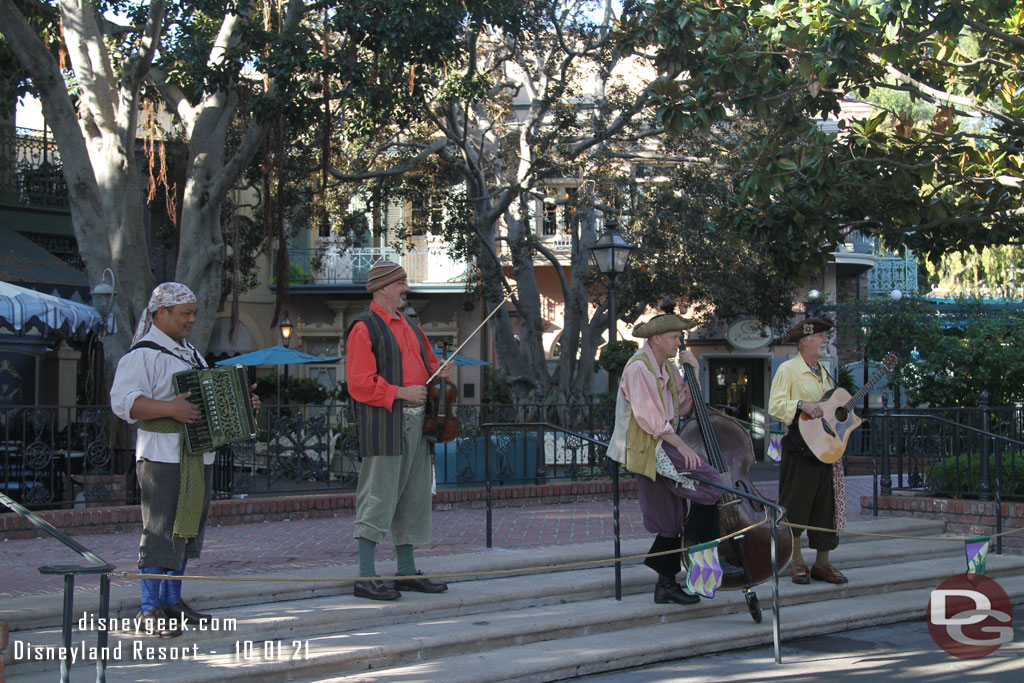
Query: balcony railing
{"points": [[335, 264], [30, 169], [893, 272]]}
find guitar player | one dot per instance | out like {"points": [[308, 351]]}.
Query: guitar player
{"points": [[806, 485]]}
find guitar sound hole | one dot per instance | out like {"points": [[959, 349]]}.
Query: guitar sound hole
{"points": [[841, 414]]}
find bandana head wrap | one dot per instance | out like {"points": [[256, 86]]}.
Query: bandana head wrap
{"points": [[164, 296]]}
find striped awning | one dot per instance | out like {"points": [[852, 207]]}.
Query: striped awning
{"points": [[24, 309]]}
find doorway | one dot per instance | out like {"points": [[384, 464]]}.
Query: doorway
{"points": [[737, 389]]}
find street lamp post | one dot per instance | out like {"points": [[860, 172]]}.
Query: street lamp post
{"points": [[610, 255], [103, 296], [103, 301], [286, 328]]}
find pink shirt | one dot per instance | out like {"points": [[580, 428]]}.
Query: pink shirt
{"points": [[649, 396]]}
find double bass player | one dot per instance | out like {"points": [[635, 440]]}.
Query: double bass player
{"points": [[651, 397]]}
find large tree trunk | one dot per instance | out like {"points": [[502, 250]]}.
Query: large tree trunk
{"points": [[97, 138]]}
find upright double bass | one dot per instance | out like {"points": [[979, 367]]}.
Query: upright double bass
{"points": [[724, 443]]}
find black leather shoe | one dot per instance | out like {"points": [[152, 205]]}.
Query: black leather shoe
{"points": [[668, 590], [420, 585], [155, 622], [728, 569], [375, 590], [182, 611]]}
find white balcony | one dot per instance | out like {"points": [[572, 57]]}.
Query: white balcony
{"points": [[430, 268]]}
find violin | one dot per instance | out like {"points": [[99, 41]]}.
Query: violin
{"points": [[439, 424]]}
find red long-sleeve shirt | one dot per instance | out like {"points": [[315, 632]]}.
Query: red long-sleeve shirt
{"points": [[364, 384]]}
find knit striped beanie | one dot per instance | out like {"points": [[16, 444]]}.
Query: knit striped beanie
{"points": [[382, 274]]}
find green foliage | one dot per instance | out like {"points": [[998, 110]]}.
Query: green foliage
{"points": [[296, 275], [306, 390], [989, 272], [948, 355], [937, 166], [963, 473], [496, 390], [687, 251], [300, 390], [615, 355], [844, 379]]}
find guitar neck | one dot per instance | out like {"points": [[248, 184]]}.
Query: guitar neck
{"points": [[868, 386]]}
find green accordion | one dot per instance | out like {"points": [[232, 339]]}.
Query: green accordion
{"points": [[223, 397]]}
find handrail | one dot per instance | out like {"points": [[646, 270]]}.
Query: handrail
{"points": [[954, 423], [99, 566], [983, 491], [773, 521]]}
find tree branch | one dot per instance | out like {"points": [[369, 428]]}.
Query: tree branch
{"points": [[398, 169], [946, 98], [1016, 41]]}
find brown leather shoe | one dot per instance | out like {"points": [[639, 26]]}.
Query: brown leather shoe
{"points": [[420, 585], [828, 573], [183, 610], [375, 590], [800, 573], [154, 622]]}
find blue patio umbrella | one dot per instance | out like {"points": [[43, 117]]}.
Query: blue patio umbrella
{"points": [[459, 359], [277, 355]]}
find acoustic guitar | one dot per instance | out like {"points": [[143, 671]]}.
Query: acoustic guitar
{"points": [[826, 436]]}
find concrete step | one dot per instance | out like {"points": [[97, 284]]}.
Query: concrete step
{"points": [[41, 611], [349, 634], [570, 657]]}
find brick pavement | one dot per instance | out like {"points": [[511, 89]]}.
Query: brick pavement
{"points": [[327, 542]]}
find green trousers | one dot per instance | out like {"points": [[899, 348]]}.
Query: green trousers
{"points": [[394, 490]]}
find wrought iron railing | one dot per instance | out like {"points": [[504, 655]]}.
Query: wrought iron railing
{"points": [[69, 456], [336, 264], [30, 169], [61, 456]]}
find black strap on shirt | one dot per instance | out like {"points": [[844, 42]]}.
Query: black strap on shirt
{"points": [[146, 344]]}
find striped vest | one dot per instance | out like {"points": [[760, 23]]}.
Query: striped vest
{"points": [[380, 430]]}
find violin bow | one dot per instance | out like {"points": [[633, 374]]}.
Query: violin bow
{"points": [[471, 335]]}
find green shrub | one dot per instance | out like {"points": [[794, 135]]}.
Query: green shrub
{"points": [[301, 390], [296, 275], [615, 355], [942, 474]]}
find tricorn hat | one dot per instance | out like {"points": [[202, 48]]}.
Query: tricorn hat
{"points": [[668, 322], [807, 327]]}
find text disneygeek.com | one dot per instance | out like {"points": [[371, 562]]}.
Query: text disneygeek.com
{"points": [[146, 650]]}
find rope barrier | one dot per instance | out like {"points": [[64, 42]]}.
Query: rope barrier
{"points": [[954, 539], [542, 568], [449, 575]]}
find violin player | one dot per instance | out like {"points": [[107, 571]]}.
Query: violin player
{"points": [[388, 363], [807, 486], [651, 397]]}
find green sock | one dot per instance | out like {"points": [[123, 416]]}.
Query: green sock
{"points": [[367, 549], [406, 565]]}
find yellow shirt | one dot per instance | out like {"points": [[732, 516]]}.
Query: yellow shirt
{"points": [[794, 382]]}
